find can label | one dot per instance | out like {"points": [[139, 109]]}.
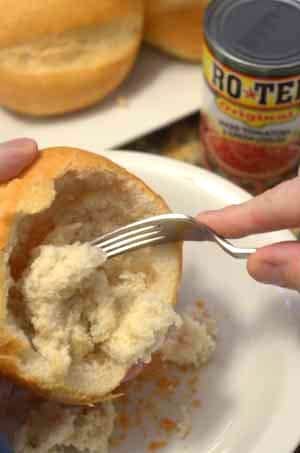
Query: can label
{"points": [[251, 125]]}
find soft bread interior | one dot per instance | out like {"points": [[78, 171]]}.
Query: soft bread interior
{"points": [[82, 322]]}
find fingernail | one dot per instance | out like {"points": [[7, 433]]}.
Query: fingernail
{"points": [[15, 156]]}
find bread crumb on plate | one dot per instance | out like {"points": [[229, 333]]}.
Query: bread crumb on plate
{"points": [[158, 406], [157, 445], [52, 428], [193, 343]]}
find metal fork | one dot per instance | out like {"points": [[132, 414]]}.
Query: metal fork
{"points": [[162, 229]]}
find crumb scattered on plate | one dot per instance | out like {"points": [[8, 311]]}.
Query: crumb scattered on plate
{"points": [[53, 428], [160, 404], [193, 343]]}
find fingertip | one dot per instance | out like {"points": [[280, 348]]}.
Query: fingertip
{"points": [[206, 216], [253, 266], [264, 271], [278, 264], [228, 222], [27, 146], [15, 156], [213, 219]]}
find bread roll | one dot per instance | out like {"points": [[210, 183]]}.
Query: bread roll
{"points": [[71, 324], [60, 56], [176, 26]]}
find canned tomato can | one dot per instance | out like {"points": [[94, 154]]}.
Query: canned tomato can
{"points": [[250, 122]]}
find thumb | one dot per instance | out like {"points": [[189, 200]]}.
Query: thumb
{"points": [[277, 264], [15, 156]]}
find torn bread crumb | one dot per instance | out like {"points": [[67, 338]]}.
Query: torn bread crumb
{"points": [[193, 343], [145, 324], [69, 303], [184, 426]]}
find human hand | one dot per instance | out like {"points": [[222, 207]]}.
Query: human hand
{"points": [[276, 209], [16, 156]]}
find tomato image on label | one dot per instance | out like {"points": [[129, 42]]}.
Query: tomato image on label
{"points": [[247, 159]]}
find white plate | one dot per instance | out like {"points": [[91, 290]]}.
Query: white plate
{"points": [[159, 91], [250, 392]]}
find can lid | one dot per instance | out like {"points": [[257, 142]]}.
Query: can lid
{"points": [[258, 37]]}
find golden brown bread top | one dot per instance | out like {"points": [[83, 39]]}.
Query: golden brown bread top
{"points": [[62, 56], [51, 164], [28, 20], [176, 26]]}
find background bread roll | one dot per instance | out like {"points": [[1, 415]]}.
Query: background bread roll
{"points": [[59, 56], [176, 26], [67, 197]]}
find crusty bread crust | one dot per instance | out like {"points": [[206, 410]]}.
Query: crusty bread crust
{"points": [[61, 56], [176, 26], [32, 193]]}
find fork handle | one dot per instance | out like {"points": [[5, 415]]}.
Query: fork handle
{"points": [[234, 251]]}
